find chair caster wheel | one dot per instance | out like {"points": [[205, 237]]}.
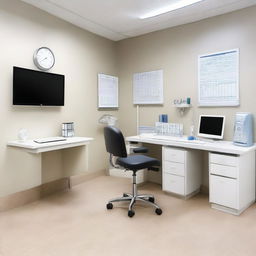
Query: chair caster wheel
{"points": [[158, 211], [109, 206], [151, 199], [125, 195], [131, 213]]}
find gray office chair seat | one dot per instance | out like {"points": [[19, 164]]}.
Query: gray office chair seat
{"points": [[137, 162], [115, 145]]}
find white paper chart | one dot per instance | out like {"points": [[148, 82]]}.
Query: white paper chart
{"points": [[148, 87], [107, 91], [218, 77]]}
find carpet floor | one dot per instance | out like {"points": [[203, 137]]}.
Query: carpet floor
{"points": [[76, 222]]}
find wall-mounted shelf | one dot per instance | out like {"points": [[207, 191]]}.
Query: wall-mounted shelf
{"points": [[182, 107]]}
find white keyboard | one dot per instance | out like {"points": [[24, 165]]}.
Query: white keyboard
{"points": [[177, 139], [49, 139]]}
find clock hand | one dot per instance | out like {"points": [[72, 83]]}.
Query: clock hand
{"points": [[43, 59]]}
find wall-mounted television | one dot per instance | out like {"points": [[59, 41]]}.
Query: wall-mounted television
{"points": [[36, 88]]}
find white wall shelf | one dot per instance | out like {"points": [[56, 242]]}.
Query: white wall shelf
{"points": [[182, 107]]}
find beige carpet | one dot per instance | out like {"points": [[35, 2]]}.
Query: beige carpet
{"points": [[77, 223]]}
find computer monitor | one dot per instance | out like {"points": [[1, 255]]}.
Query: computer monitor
{"points": [[211, 126]]}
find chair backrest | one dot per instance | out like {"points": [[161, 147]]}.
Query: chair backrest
{"points": [[114, 141]]}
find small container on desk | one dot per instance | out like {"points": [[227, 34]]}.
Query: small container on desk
{"points": [[68, 129]]}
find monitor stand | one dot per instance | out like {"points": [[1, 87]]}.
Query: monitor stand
{"points": [[208, 139]]}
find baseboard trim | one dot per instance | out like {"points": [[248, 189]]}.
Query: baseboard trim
{"points": [[20, 198], [28, 196], [204, 190], [78, 179], [54, 187]]}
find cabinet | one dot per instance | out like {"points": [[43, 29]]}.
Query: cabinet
{"points": [[232, 181], [181, 171]]}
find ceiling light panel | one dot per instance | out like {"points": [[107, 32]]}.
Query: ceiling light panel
{"points": [[169, 8]]}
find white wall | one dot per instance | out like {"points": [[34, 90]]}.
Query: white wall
{"points": [[80, 55]]}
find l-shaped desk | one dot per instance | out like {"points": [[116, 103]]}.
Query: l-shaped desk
{"points": [[231, 170]]}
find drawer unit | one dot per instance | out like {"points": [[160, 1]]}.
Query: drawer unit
{"points": [[224, 184], [223, 170], [173, 183], [232, 181], [174, 168], [224, 191], [223, 159], [181, 171], [174, 155]]}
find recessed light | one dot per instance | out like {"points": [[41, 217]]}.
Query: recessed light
{"points": [[169, 8]]}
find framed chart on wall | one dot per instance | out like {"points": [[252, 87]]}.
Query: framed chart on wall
{"points": [[107, 91], [218, 79], [148, 87]]}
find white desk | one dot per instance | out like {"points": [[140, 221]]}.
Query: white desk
{"points": [[231, 170], [214, 146], [33, 147], [71, 159]]}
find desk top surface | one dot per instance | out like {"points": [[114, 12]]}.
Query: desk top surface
{"points": [[183, 142], [33, 147]]}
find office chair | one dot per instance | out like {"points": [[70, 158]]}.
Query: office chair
{"points": [[115, 145]]}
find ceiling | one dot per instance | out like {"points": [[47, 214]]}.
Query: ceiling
{"points": [[119, 19]]}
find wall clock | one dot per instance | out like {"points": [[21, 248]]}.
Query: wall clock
{"points": [[44, 58]]}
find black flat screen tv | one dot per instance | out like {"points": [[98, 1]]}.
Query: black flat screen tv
{"points": [[36, 88]]}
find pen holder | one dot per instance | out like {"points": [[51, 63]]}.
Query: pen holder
{"points": [[68, 129]]}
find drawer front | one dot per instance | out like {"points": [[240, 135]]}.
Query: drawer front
{"points": [[174, 184], [223, 170], [223, 191], [174, 155], [223, 159], [174, 168]]}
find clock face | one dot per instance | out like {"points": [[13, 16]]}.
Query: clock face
{"points": [[44, 58]]}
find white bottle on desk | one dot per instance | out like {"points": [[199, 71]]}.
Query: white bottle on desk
{"points": [[23, 134]]}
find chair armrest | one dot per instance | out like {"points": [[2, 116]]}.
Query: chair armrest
{"points": [[140, 150]]}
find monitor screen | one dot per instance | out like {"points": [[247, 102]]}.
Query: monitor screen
{"points": [[211, 126], [32, 87]]}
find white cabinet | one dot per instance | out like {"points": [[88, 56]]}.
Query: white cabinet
{"points": [[232, 181], [174, 184], [181, 171], [223, 191]]}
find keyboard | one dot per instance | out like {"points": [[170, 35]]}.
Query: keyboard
{"points": [[49, 139], [177, 139]]}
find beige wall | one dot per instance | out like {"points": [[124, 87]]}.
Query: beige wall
{"points": [[80, 55], [176, 51]]}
